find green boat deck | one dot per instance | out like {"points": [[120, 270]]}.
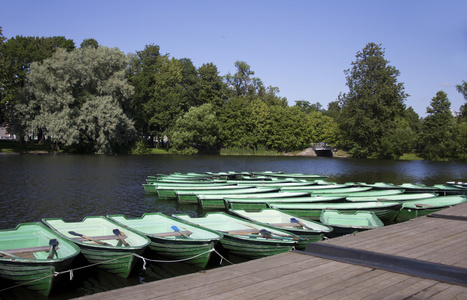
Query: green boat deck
{"points": [[293, 275]]}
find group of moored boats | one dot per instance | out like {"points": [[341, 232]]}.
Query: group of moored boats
{"points": [[263, 213]]}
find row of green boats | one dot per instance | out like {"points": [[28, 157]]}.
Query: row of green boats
{"points": [[306, 198], [263, 213], [33, 254]]}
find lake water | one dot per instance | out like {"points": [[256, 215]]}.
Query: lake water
{"points": [[75, 186]]}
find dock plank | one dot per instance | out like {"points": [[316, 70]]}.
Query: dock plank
{"points": [[295, 275]]}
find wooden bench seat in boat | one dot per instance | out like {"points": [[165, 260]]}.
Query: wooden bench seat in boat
{"points": [[100, 238], [242, 231], [173, 233], [27, 253], [286, 224]]}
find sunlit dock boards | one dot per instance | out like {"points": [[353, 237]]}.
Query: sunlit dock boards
{"points": [[437, 240]]}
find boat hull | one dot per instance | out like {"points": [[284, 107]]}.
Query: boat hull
{"points": [[34, 269], [385, 212], [114, 257], [194, 249], [253, 249], [418, 208], [283, 221], [245, 245], [259, 204], [348, 223]]}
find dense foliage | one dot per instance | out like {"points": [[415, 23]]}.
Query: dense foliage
{"points": [[79, 99], [370, 109], [99, 100]]}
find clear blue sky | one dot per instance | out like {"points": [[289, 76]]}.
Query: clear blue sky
{"points": [[301, 47]]}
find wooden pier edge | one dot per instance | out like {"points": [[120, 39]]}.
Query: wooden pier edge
{"points": [[434, 240]]}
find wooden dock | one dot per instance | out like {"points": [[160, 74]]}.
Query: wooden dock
{"points": [[438, 241]]}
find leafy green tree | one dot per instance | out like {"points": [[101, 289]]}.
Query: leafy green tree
{"points": [[4, 67], [189, 85], [242, 83], [307, 107], [79, 99], [164, 107], [16, 56], [195, 130], [407, 131], [235, 119], [165, 88], [370, 108], [462, 88], [89, 43], [270, 97], [212, 89], [438, 135], [462, 141], [333, 111], [142, 71]]}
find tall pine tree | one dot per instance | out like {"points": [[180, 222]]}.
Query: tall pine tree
{"points": [[370, 108]]}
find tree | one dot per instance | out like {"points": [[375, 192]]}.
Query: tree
{"points": [[462, 88], [141, 74], [242, 83], [212, 89], [79, 99], [165, 88], [16, 56], [196, 129], [370, 108], [89, 43], [164, 107], [438, 135], [307, 107], [333, 110], [4, 66]]}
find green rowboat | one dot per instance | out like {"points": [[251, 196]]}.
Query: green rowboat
{"points": [[330, 190], [187, 197], [315, 187], [422, 207], [307, 177], [262, 203], [245, 238], [217, 201], [309, 231], [397, 197], [191, 244], [171, 192], [386, 211], [100, 244], [349, 222], [416, 188], [31, 253], [150, 187]]}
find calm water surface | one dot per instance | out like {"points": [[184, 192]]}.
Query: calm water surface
{"points": [[72, 187]]}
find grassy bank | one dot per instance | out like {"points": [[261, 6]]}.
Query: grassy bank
{"points": [[8, 146], [249, 151], [410, 156]]}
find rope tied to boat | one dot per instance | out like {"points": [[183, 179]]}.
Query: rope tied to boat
{"points": [[71, 271], [178, 260], [144, 260]]}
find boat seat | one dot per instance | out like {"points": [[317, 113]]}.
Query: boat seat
{"points": [[286, 224], [29, 249], [173, 233], [242, 231], [100, 238], [27, 253]]}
